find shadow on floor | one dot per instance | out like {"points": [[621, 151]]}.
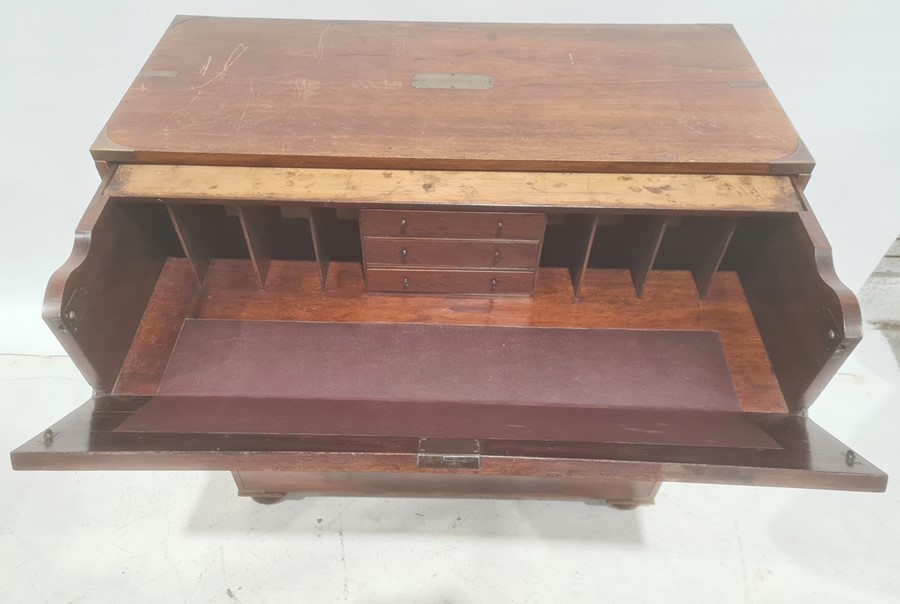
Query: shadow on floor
{"points": [[220, 510]]}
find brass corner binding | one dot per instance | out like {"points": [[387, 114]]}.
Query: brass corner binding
{"points": [[105, 149], [800, 161]]}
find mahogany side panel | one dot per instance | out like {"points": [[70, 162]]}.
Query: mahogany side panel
{"points": [[808, 320], [95, 301]]}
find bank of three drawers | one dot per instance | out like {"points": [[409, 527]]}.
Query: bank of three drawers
{"points": [[466, 253]]}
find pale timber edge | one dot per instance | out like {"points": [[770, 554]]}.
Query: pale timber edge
{"points": [[549, 190]]}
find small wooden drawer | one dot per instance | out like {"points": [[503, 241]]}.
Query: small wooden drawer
{"points": [[495, 283], [462, 225], [458, 253]]}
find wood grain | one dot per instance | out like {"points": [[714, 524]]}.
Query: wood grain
{"points": [[607, 300], [460, 253], [197, 236], [453, 420], [319, 221], [450, 281], [583, 230], [645, 234], [94, 302], [450, 224], [443, 485], [535, 190], [713, 238], [623, 98], [259, 225], [809, 457], [809, 320]]}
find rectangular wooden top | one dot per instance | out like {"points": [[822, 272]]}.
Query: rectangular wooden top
{"points": [[442, 96]]}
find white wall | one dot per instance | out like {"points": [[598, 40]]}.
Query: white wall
{"points": [[64, 65]]}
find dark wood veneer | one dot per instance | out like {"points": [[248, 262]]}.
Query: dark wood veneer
{"points": [[623, 98], [87, 439], [659, 211]]}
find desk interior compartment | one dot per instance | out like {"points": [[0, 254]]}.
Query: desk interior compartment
{"points": [[147, 275]]}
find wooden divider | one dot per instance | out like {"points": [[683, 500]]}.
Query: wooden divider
{"points": [[626, 242], [263, 229], [697, 244], [638, 243], [584, 232], [259, 224], [713, 242], [196, 236], [319, 221], [644, 234]]}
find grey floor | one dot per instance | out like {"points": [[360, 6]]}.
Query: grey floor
{"points": [[186, 537], [880, 298]]}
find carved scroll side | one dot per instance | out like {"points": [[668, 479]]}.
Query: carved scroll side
{"points": [[65, 281], [94, 302], [843, 308], [808, 320]]}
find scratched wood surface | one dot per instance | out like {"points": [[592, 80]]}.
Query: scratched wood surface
{"points": [[639, 192], [622, 98]]}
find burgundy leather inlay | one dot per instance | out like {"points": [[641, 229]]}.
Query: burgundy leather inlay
{"points": [[427, 363]]}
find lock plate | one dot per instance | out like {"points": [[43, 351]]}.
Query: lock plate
{"points": [[448, 454]]}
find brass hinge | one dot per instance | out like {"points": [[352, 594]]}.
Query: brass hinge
{"points": [[448, 454]]}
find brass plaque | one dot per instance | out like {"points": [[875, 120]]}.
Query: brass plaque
{"points": [[461, 81]]}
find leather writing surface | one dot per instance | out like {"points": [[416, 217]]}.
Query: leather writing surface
{"points": [[431, 363]]}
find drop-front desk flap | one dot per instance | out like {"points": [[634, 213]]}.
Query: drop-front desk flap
{"points": [[323, 262]]}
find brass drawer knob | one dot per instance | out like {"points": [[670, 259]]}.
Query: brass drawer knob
{"points": [[405, 282], [403, 227], [499, 229], [497, 256], [404, 253], [494, 285]]}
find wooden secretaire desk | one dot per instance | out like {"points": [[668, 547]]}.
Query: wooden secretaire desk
{"points": [[559, 261]]}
